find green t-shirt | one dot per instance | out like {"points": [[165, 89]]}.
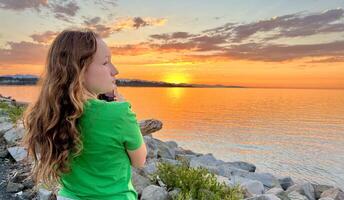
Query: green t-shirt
{"points": [[103, 170]]}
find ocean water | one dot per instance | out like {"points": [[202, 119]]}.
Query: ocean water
{"points": [[287, 132]]}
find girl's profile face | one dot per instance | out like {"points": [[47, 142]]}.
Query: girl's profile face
{"points": [[100, 74]]}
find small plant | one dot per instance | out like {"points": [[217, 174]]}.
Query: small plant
{"points": [[14, 112], [194, 183]]}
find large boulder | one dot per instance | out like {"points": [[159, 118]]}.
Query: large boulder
{"points": [[253, 187], [14, 134], [264, 197], [241, 165], [268, 180], [149, 126], [154, 192], [139, 182], [333, 193], [296, 196], [17, 153], [303, 188], [285, 182]]}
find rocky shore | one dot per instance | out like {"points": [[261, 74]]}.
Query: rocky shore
{"points": [[16, 183]]}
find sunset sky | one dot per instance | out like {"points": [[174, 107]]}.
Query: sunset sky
{"points": [[252, 43]]}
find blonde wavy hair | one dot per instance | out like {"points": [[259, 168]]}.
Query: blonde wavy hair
{"points": [[51, 130]]}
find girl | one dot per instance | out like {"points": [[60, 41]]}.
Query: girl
{"points": [[82, 144]]}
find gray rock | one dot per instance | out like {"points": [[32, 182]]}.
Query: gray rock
{"points": [[150, 168], [237, 180], [4, 127], [139, 182], [242, 165], [44, 194], [319, 189], [14, 134], [152, 147], [296, 196], [204, 161], [253, 187], [334, 193], [279, 192], [154, 192], [264, 197], [326, 198], [303, 188], [17, 153], [286, 182], [172, 144], [174, 193], [267, 179], [164, 151], [3, 153], [185, 157], [14, 187]]}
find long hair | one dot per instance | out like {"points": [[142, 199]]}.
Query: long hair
{"points": [[51, 130]]}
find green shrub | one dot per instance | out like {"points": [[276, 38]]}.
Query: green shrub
{"points": [[194, 183], [14, 112]]}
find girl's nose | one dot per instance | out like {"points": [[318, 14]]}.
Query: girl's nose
{"points": [[114, 70]]}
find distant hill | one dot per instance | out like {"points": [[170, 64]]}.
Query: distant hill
{"points": [[20, 79]]}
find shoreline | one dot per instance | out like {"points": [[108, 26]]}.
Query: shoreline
{"points": [[257, 185]]}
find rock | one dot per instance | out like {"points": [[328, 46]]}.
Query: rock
{"points": [[303, 188], [296, 196], [149, 126], [334, 193], [27, 194], [174, 193], [150, 168], [326, 198], [264, 197], [237, 180], [205, 161], [242, 165], [286, 182], [164, 151], [185, 157], [152, 147], [3, 153], [227, 171], [4, 127], [267, 179], [12, 135], [279, 192], [139, 182], [182, 151], [172, 144], [14, 187], [253, 187], [44, 194], [319, 189], [28, 183], [17, 153], [154, 192]]}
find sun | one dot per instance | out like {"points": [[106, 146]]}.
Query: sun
{"points": [[176, 78]]}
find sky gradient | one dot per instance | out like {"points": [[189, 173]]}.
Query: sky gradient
{"points": [[252, 43]]}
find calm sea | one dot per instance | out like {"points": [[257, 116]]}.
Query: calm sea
{"points": [[288, 132]]}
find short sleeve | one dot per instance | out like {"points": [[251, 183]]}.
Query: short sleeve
{"points": [[132, 136]]}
